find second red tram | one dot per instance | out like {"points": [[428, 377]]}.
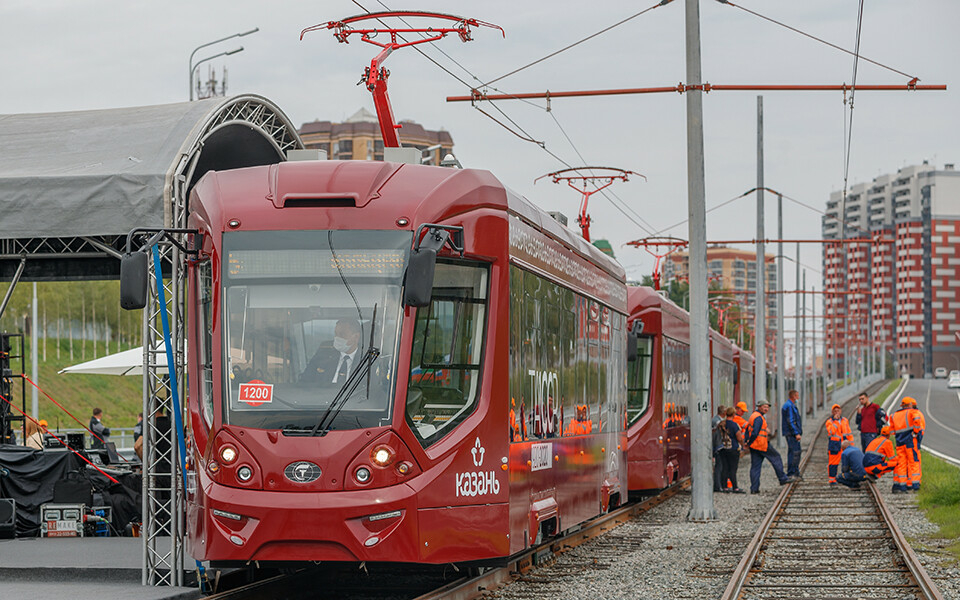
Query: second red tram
{"points": [[658, 387], [334, 415]]}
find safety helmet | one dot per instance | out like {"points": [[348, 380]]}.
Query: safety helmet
{"points": [[885, 430], [834, 407], [908, 401], [742, 406]]}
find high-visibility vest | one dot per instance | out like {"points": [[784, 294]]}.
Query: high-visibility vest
{"points": [[839, 429], [740, 421], [760, 443], [902, 423], [878, 450], [915, 418]]}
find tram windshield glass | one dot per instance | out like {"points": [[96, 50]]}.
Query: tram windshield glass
{"points": [[308, 316]]}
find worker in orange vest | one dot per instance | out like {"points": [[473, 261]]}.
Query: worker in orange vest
{"points": [[879, 457], [741, 409], [908, 425], [919, 426], [756, 440], [838, 429]]}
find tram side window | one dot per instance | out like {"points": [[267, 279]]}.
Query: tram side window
{"points": [[205, 337], [638, 380], [746, 388], [447, 349]]}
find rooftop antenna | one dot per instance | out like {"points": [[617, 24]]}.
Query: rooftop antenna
{"points": [[574, 177], [375, 76]]}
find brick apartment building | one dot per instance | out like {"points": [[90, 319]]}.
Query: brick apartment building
{"points": [[733, 269], [902, 296], [358, 138]]}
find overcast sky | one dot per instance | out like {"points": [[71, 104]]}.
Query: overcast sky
{"points": [[62, 55]]}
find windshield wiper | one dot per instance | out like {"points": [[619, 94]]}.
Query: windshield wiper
{"points": [[340, 400]]}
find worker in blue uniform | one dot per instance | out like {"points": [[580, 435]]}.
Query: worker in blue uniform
{"points": [[792, 430], [851, 465]]}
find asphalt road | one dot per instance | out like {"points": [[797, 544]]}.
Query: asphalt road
{"points": [[941, 410]]}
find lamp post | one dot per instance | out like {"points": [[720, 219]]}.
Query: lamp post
{"points": [[192, 54]]}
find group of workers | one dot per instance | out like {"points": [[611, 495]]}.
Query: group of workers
{"points": [[846, 463], [879, 454], [732, 430]]}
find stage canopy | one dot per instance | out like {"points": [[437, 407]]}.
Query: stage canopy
{"points": [[73, 184]]}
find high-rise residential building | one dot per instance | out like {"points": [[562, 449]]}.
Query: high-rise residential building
{"points": [[358, 138], [901, 290], [732, 269]]}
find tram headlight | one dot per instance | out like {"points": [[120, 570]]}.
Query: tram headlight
{"points": [[244, 473], [383, 455], [228, 454], [362, 475]]}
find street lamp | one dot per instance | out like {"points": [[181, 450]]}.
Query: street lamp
{"points": [[203, 60], [192, 54]]}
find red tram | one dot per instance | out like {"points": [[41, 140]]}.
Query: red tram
{"points": [[658, 386], [393, 362]]}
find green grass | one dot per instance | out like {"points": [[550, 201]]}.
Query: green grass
{"points": [[940, 498], [119, 397], [882, 396]]}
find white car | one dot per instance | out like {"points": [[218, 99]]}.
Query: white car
{"points": [[940, 372], [954, 380]]}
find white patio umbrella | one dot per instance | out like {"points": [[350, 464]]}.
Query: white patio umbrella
{"points": [[128, 362]]}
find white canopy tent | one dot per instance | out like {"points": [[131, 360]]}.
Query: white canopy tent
{"points": [[128, 362]]}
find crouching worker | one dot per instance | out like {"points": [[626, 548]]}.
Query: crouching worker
{"points": [[879, 457], [851, 465]]}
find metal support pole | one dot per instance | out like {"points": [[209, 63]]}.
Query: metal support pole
{"points": [[803, 353], [813, 328], [34, 374], [760, 313], [701, 508], [797, 380], [781, 348]]}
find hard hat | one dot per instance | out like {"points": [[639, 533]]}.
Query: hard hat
{"points": [[908, 401], [762, 402], [42, 423], [885, 430], [835, 406], [742, 405]]}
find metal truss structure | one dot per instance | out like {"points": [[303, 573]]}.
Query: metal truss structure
{"points": [[163, 495], [241, 131]]}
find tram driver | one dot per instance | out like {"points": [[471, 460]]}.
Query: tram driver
{"points": [[334, 361]]}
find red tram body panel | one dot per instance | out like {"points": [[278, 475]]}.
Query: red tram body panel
{"points": [[329, 422], [658, 386]]}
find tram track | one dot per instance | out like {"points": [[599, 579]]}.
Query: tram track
{"points": [[822, 541]]}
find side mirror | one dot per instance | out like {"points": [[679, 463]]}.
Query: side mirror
{"points": [[133, 281], [418, 281], [632, 340]]}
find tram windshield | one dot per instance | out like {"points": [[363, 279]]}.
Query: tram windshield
{"points": [[303, 310]]}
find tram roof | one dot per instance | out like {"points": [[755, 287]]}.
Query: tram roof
{"points": [[105, 172]]}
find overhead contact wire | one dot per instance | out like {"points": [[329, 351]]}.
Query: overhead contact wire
{"points": [[853, 89], [822, 41], [577, 43], [520, 132]]}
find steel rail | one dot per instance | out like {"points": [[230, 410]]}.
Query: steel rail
{"points": [[742, 571], [910, 557], [474, 587]]}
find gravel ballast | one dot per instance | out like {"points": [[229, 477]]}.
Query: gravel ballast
{"points": [[662, 555]]}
